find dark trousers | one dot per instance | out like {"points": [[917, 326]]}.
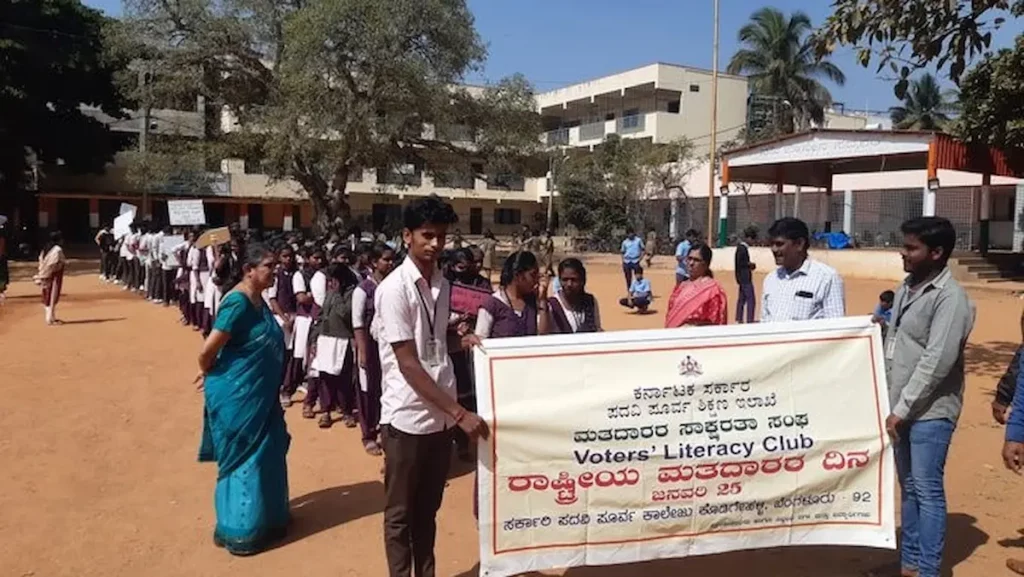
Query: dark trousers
{"points": [[369, 404], [638, 303], [462, 367], [628, 268], [122, 269], [415, 472], [294, 372], [335, 392], [167, 285], [746, 300]]}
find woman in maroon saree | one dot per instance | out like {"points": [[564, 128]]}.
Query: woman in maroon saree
{"points": [[700, 300], [573, 309]]}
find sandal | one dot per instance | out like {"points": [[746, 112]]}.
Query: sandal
{"points": [[286, 401], [308, 412], [349, 421], [372, 448], [325, 421]]}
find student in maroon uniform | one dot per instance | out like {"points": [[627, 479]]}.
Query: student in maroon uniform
{"points": [[382, 258], [572, 308]]}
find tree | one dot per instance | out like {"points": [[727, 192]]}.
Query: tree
{"points": [[992, 104], [781, 64], [323, 88], [907, 35], [925, 106], [610, 189], [53, 62]]}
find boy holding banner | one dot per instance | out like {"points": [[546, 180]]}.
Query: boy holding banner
{"points": [[418, 406], [924, 363]]}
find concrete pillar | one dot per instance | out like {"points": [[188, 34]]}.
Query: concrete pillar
{"points": [[796, 202], [243, 216], [1018, 219], [848, 212], [928, 204], [780, 183], [44, 218], [723, 220], [985, 213], [94, 213], [286, 223], [673, 224]]}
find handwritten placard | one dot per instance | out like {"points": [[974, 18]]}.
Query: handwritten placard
{"points": [[611, 448], [186, 212]]}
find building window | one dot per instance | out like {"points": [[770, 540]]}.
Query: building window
{"points": [[609, 116], [401, 175], [508, 216], [355, 174], [695, 88], [673, 106]]}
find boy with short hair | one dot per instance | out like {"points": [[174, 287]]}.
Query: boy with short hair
{"points": [[639, 293], [419, 410], [924, 364]]}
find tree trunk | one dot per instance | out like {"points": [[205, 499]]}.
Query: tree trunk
{"points": [[331, 211]]}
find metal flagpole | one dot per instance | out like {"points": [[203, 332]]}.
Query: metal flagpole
{"points": [[714, 135]]}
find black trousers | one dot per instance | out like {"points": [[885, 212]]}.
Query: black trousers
{"points": [[415, 472]]}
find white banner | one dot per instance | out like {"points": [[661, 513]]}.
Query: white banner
{"points": [[621, 447], [122, 224], [126, 208], [186, 212]]}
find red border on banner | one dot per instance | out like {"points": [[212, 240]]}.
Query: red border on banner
{"points": [[494, 448]]}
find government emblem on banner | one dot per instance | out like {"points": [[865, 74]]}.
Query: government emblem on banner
{"points": [[689, 367]]}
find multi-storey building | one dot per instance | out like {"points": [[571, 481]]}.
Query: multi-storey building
{"points": [[659, 102]]}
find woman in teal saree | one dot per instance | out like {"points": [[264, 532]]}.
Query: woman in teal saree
{"points": [[243, 424]]}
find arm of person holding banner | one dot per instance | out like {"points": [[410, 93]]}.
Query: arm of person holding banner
{"points": [[397, 328], [951, 325], [1013, 447]]}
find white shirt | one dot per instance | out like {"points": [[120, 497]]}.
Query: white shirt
{"points": [[359, 308], [131, 243], [318, 287], [813, 291], [298, 283], [406, 306]]}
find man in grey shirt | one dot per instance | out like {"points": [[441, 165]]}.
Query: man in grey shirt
{"points": [[924, 363]]}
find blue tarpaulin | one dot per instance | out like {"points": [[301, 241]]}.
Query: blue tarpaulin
{"points": [[835, 239]]}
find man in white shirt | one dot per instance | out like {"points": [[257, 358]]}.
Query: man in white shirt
{"points": [[419, 410], [801, 288]]}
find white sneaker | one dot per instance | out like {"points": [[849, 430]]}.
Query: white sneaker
{"points": [[303, 388]]}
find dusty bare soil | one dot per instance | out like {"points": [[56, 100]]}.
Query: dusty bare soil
{"points": [[99, 427]]}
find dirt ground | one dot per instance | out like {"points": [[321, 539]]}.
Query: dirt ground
{"points": [[100, 477]]}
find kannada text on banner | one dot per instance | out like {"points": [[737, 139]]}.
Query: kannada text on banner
{"points": [[621, 447]]}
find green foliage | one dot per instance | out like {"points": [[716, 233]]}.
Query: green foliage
{"points": [[925, 106], [324, 87], [53, 60], [610, 189], [992, 104], [781, 64], [906, 35]]}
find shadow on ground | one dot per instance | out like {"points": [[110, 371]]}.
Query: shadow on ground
{"points": [[989, 359], [326, 509], [963, 538]]}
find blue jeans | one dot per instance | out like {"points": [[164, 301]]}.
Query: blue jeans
{"points": [[920, 464]]}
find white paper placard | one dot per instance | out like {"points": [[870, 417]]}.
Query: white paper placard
{"points": [[186, 212]]}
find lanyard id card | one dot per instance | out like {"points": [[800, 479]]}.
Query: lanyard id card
{"points": [[433, 354]]}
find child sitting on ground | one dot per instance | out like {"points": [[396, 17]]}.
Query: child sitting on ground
{"points": [[639, 293]]}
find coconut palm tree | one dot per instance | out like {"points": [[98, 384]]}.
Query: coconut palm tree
{"points": [[781, 64], [925, 106]]}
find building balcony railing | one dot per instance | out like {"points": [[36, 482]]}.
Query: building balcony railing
{"points": [[506, 182], [454, 180], [592, 131], [558, 137], [631, 124], [399, 178]]}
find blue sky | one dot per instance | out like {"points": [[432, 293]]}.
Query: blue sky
{"points": [[558, 42]]}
